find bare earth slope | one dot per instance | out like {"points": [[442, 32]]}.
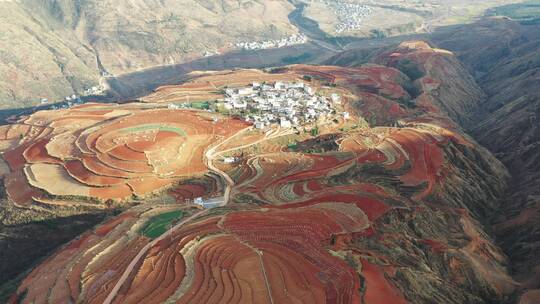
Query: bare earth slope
{"points": [[506, 59], [51, 49]]}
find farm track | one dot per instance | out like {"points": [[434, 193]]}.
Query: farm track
{"points": [[143, 251]]}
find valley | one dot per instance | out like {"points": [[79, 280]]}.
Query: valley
{"points": [[58, 48]]}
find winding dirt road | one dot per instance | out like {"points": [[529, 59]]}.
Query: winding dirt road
{"points": [[143, 251], [210, 155]]}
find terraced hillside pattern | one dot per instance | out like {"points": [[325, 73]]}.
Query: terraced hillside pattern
{"points": [[105, 153], [386, 207]]}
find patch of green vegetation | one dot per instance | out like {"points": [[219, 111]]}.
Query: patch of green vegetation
{"points": [[8, 288], [292, 146], [407, 102], [314, 151], [51, 224], [315, 131], [410, 69], [146, 127], [411, 89], [157, 225], [248, 199], [200, 105], [527, 12], [377, 34]]}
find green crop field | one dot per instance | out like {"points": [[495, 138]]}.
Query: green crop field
{"points": [[200, 105], [158, 224], [141, 128]]}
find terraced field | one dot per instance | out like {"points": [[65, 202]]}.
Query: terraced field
{"points": [[106, 152], [160, 223], [386, 207]]}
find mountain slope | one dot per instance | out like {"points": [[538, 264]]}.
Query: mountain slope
{"points": [[507, 123], [53, 48]]}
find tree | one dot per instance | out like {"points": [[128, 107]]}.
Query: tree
{"points": [[315, 131]]}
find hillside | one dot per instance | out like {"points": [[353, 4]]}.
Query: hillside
{"points": [[383, 206], [55, 48], [507, 124], [387, 18]]}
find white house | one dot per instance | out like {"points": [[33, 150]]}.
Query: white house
{"points": [[335, 98], [279, 85], [229, 160], [284, 122], [239, 104], [259, 125], [209, 203], [245, 91]]}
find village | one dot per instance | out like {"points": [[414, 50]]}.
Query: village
{"points": [[350, 15], [269, 44], [287, 104]]}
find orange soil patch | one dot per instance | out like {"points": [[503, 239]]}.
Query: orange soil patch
{"points": [[124, 153], [37, 153], [63, 146], [15, 157], [94, 165], [188, 191], [129, 166], [149, 184], [18, 189], [121, 191], [378, 288], [425, 156], [77, 170]]}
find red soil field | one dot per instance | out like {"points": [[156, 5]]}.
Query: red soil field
{"points": [[76, 169], [135, 150], [18, 189], [37, 153], [378, 288], [189, 191]]}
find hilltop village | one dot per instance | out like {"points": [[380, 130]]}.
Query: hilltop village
{"points": [[288, 104], [350, 15]]}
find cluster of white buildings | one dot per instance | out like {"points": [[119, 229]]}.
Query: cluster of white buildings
{"points": [[269, 44], [74, 99], [288, 104], [95, 90], [350, 15]]}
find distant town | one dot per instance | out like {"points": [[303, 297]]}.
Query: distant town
{"points": [[270, 44], [350, 15]]}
